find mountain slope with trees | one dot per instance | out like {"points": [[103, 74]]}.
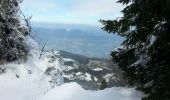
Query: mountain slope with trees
{"points": [[145, 53]]}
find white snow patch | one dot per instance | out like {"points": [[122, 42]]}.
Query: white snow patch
{"points": [[119, 48], [79, 73], [69, 77], [67, 68], [12, 88], [98, 69], [152, 40], [88, 77], [95, 79], [108, 76], [67, 59], [73, 91], [142, 60]]}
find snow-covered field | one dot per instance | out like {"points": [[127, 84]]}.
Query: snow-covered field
{"points": [[30, 81]]}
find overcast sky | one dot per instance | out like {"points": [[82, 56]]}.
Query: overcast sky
{"points": [[71, 11]]}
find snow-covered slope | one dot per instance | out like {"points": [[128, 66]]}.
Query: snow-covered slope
{"points": [[42, 79], [29, 80], [73, 91]]}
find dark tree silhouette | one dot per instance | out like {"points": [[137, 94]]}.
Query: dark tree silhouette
{"points": [[145, 52]]}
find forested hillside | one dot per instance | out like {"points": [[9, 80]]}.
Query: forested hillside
{"points": [[145, 53]]}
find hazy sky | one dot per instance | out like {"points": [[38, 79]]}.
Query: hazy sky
{"points": [[71, 11]]}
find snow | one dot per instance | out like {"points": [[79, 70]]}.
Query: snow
{"points": [[119, 48], [142, 60], [68, 77], [73, 91], [108, 76], [67, 68], [95, 79], [98, 69], [79, 73], [152, 40], [27, 80], [30, 81], [67, 59], [88, 77], [12, 88]]}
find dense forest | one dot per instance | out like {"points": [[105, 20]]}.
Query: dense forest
{"points": [[145, 53]]}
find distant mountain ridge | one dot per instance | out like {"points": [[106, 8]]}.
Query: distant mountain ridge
{"points": [[80, 58]]}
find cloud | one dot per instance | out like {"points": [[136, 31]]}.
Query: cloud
{"points": [[72, 11], [41, 5], [96, 8]]}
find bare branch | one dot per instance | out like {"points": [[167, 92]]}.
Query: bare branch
{"points": [[42, 50]]}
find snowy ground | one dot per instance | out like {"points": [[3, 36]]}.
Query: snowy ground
{"points": [[28, 81], [73, 91], [17, 90]]}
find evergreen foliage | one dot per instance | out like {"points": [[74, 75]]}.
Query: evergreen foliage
{"points": [[14, 27], [12, 32], [145, 53], [103, 84]]}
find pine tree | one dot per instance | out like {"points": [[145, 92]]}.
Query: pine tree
{"points": [[12, 31], [145, 52]]}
